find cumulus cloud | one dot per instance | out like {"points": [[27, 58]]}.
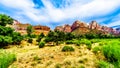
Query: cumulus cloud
{"points": [[68, 10]]}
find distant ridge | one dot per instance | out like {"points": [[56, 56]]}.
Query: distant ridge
{"points": [[79, 27]]}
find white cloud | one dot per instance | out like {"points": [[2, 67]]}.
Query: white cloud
{"points": [[81, 9], [115, 21]]}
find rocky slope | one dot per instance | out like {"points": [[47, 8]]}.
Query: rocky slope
{"points": [[83, 27], [19, 27]]}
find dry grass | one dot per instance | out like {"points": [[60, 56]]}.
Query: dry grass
{"points": [[31, 56]]}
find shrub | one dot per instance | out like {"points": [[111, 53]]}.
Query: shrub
{"points": [[89, 47], [30, 40], [5, 40], [96, 49], [36, 58], [112, 53], [6, 58], [33, 36], [41, 44], [16, 38], [103, 64], [88, 44], [67, 48], [69, 42], [58, 65], [40, 37]]}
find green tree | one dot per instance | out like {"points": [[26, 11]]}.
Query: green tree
{"points": [[50, 37], [5, 30], [4, 20], [5, 40], [29, 30], [69, 36], [16, 38], [7, 34], [40, 37]]}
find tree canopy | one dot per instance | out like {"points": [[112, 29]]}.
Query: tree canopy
{"points": [[4, 20], [7, 34]]}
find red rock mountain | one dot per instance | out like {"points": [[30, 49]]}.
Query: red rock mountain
{"points": [[19, 27], [78, 24], [82, 27], [65, 28], [94, 25]]}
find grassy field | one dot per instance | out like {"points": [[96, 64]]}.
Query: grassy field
{"points": [[95, 53], [6, 58]]}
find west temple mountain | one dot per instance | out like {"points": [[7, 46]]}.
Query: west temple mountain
{"points": [[82, 28]]}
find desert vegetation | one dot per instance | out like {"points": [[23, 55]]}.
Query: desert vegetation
{"points": [[56, 49]]}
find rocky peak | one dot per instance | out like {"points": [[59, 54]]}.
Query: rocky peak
{"points": [[94, 25], [65, 28], [59, 28], [77, 24]]}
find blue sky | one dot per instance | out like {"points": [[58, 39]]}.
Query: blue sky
{"points": [[59, 12]]}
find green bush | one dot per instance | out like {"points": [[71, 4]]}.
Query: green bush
{"points": [[16, 38], [6, 58], [30, 40], [67, 48], [111, 52], [41, 44], [40, 37]]}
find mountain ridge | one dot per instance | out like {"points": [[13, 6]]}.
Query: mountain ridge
{"points": [[82, 26]]}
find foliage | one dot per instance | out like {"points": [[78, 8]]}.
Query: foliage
{"points": [[67, 48], [103, 64], [112, 53], [4, 20], [5, 30], [29, 30], [40, 37], [69, 36], [69, 42], [7, 34], [5, 40], [96, 49], [58, 37], [16, 38], [33, 36], [30, 40], [41, 44], [6, 58]]}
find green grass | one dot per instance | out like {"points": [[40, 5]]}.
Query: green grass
{"points": [[103, 64], [110, 48], [6, 58], [112, 53]]}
